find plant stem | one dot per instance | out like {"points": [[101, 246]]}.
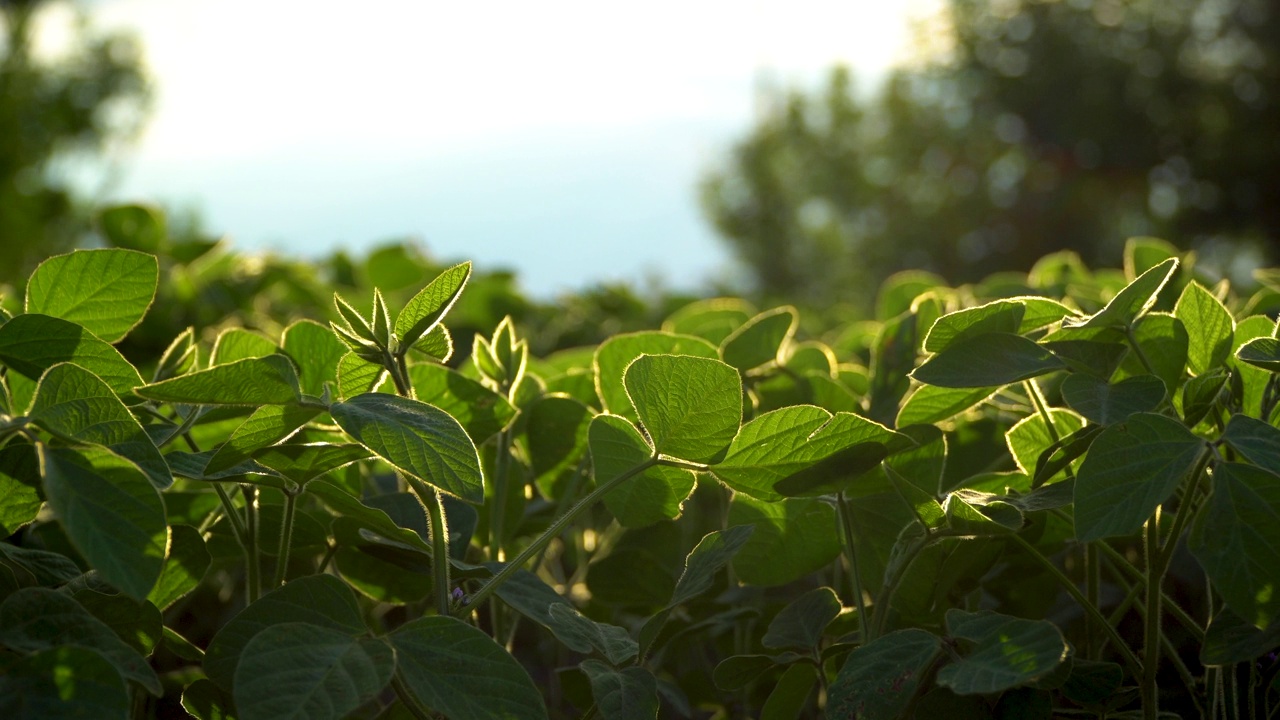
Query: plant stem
{"points": [[1092, 585], [229, 508], [1151, 632], [1137, 349], [846, 522], [883, 600], [497, 519], [286, 538], [552, 531], [407, 698], [430, 497], [253, 570], [1135, 667]]}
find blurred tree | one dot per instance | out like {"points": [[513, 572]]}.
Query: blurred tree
{"points": [[52, 110], [1042, 126]]}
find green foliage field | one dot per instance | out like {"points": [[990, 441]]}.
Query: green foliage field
{"points": [[228, 492]]}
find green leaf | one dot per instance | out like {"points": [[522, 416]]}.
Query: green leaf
{"points": [[316, 353], [303, 462], [987, 360], [62, 683], [75, 403], [1031, 436], [481, 411], [270, 380], [627, 694], [712, 553], [1131, 468], [1254, 379], [36, 619], [135, 622], [933, 404], [419, 439], [429, 306], [529, 596], [267, 425], [556, 432], [690, 406], [134, 226], [239, 344], [1135, 299], [204, 701], [184, 566], [31, 344], [615, 354], [437, 344], [1209, 328], [1231, 639], [1008, 652], [357, 375], [1106, 404], [1237, 540], [111, 512], [792, 538], [19, 483], [1000, 316], [800, 624], [1257, 441], [779, 444], [46, 569], [105, 291], [462, 673], [1095, 351], [790, 695], [656, 494], [1163, 340], [761, 339], [1262, 353], [1092, 682], [179, 358], [714, 319], [322, 600], [296, 670], [880, 679], [372, 519], [1200, 395]]}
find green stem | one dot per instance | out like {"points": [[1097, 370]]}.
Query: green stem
{"points": [[253, 570], [286, 538], [552, 531], [1135, 667], [430, 497], [1151, 632], [885, 598], [846, 522], [1186, 509], [229, 508], [1137, 349], [497, 519]]}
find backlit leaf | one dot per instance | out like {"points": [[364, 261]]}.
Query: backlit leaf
{"points": [[987, 360], [1136, 298], [1008, 652], [761, 339], [31, 344], [690, 406], [430, 305], [627, 694], [270, 380], [656, 494], [615, 354], [105, 291], [1209, 328], [880, 679]]}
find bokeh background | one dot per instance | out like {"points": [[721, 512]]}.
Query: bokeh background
{"points": [[798, 150]]}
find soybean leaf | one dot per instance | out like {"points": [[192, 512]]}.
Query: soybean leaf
{"points": [[46, 569], [1009, 652], [714, 319], [627, 694], [761, 339], [799, 625], [134, 226], [656, 494], [1254, 379], [1105, 404], [73, 402], [105, 291], [299, 670], [185, 564], [316, 352], [357, 375], [135, 622], [1163, 340], [303, 462], [1231, 639], [19, 480], [436, 344], [194, 466], [1209, 328], [62, 682], [1130, 469], [321, 600], [270, 380], [419, 439], [1135, 299], [110, 511], [880, 679], [690, 406], [1031, 437], [238, 343], [481, 411], [987, 360], [1095, 351], [531, 597], [792, 538], [738, 671], [461, 672], [1257, 441], [1237, 540], [1092, 682], [615, 354], [36, 619], [934, 404], [1261, 353], [180, 357], [712, 553], [556, 433], [789, 696], [204, 701], [1200, 394], [372, 519], [267, 425], [31, 344], [1000, 316], [425, 310]]}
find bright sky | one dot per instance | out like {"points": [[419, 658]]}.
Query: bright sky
{"points": [[563, 138]]}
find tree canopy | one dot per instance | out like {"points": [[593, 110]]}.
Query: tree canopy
{"points": [[1041, 126]]}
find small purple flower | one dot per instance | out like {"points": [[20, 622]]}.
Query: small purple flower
{"points": [[458, 594]]}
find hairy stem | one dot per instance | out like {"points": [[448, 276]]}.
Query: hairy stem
{"points": [[286, 538], [846, 522], [1151, 628], [253, 569]]}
